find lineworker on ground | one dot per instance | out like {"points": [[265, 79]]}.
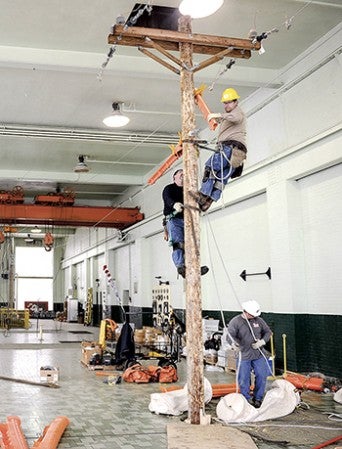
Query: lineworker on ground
{"points": [[247, 334], [227, 161], [173, 221]]}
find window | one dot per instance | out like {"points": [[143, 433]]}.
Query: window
{"points": [[34, 274]]}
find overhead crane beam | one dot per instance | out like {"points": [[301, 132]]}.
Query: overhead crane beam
{"points": [[101, 217]]}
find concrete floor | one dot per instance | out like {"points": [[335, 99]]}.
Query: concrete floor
{"points": [[101, 415]]}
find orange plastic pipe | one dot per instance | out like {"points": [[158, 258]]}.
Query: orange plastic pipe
{"points": [[305, 383], [52, 434], [12, 435], [166, 165], [219, 390]]}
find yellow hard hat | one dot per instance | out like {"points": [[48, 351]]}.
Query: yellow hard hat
{"points": [[229, 95]]}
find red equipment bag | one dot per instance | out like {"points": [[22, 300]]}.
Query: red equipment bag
{"points": [[168, 374]]}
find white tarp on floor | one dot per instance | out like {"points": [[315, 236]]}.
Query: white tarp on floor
{"points": [[176, 402], [280, 400], [338, 396]]}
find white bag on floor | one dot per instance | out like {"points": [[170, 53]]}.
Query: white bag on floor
{"points": [[338, 396], [176, 402], [279, 401]]}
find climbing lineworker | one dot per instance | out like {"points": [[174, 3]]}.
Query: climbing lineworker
{"points": [[227, 161], [248, 334], [174, 221]]}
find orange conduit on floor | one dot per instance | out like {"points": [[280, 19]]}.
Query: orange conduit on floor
{"points": [[304, 382], [219, 390], [12, 435], [52, 434]]}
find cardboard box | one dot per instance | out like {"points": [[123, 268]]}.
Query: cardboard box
{"points": [[210, 327], [89, 348], [49, 374], [227, 359]]}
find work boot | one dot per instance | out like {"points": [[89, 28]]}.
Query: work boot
{"points": [[181, 271], [256, 403], [204, 270], [204, 201]]}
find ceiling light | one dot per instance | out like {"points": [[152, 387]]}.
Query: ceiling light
{"points": [[199, 8], [81, 166], [36, 230], [116, 119], [29, 239]]}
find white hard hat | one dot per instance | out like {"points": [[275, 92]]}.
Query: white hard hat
{"points": [[251, 307]]}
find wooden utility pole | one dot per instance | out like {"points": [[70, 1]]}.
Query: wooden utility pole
{"points": [[164, 41], [194, 337]]}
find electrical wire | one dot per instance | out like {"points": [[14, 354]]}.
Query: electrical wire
{"points": [[259, 38]]}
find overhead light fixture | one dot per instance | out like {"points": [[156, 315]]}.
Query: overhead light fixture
{"points": [[29, 239], [199, 8], [81, 166], [116, 119], [36, 230]]}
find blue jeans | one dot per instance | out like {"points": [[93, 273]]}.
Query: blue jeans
{"points": [[220, 172], [175, 228], [261, 371]]}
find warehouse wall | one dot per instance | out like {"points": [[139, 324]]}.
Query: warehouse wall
{"points": [[283, 213]]}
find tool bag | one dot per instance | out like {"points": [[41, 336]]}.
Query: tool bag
{"points": [[168, 374], [137, 374], [237, 157], [141, 374]]}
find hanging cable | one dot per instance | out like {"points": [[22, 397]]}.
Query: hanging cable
{"points": [[227, 67], [120, 20], [236, 297]]}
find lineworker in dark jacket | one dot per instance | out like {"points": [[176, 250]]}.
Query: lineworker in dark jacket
{"points": [[174, 221], [248, 333], [227, 161]]}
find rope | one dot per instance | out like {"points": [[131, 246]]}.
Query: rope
{"points": [[236, 297]]}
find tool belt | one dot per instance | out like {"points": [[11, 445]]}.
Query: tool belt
{"points": [[239, 152], [235, 143], [237, 157]]}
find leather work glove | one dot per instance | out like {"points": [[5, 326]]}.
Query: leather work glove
{"points": [[257, 344], [235, 347], [214, 116], [178, 207]]}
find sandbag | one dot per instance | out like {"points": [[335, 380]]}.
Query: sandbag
{"points": [[280, 400]]}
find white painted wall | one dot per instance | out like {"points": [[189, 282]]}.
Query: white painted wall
{"points": [[285, 212]]}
